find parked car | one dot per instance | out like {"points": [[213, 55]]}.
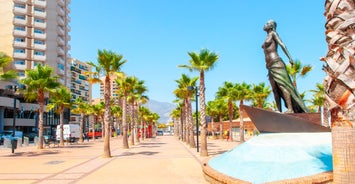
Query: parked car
{"points": [[160, 132], [97, 134]]}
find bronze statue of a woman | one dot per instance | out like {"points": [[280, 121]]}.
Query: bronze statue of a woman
{"points": [[281, 84]]}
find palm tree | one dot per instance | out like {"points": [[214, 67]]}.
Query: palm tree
{"points": [[81, 108], [125, 87], [5, 60], [212, 111], [38, 82], [175, 115], [260, 94], [318, 96], [98, 111], [297, 69], [228, 94], [202, 62], [109, 64], [60, 99], [243, 94], [116, 111], [183, 84], [339, 85]]}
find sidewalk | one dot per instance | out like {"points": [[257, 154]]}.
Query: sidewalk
{"points": [[163, 159]]}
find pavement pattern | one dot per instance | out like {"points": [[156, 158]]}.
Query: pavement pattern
{"points": [[163, 159]]}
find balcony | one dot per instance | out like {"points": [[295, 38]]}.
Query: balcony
{"points": [[60, 31], [60, 21], [40, 25], [60, 72], [21, 11], [60, 60], [20, 22], [20, 44], [38, 14], [61, 2], [20, 55], [61, 81], [39, 3], [20, 33], [39, 58], [39, 47], [60, 51], [20, 67], [60, 41], [20, 1], [60, 11], [39, 36]]}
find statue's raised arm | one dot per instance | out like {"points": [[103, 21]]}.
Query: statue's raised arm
{"points": [[280, 81]]}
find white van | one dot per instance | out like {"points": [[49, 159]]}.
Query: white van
{"points": [[70, 132]]}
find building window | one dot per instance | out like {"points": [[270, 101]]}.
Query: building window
{"points": [[39, 53], [22, 17], [17, 39], [60, 66], [38, 9], [39, 20], [20, 28], [20, 6], [40, 42], [19, 62], [21, 74], [19, 51], [38, 31]]}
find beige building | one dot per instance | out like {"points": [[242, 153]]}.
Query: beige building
{"points": [[33, 32], [36, 31], [80, 87]]}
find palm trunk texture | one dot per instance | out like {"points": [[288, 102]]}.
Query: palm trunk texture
{"points": [[339, 85]]}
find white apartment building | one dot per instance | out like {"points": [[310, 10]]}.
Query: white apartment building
{"points": [[34, 32]]}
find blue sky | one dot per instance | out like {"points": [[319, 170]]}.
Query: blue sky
{"points": [[155, 36]]}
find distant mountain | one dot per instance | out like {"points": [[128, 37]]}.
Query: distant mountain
{"points": [[163, 109]]}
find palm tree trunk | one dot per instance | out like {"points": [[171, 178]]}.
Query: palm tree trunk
{"points": [[230, 115], [339, 85], [107, 119], [124, 124], [241, 129], [190, 118], [40, 119], [204, 151], [61, 122], [81, 138]]}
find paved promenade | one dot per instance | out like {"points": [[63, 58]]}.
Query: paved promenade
{"points": [[163, 159]]}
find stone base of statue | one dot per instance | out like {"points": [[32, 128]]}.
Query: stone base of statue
{"points": [[267, 121]]}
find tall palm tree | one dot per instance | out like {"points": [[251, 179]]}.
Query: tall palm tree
{"points": [[260, 94], [125, 87], [244, 93], [116, 111], [339, 85], [297, 69], [59, 100], [228, 93], [109, 64], [175, 115], [38, 82], [183, 83], [212, 111], [318, 96], [81, 108], [202, 62], [5, 60]]}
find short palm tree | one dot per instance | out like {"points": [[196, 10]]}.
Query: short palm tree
{"points": [[297, 69], [244, 93], [38, 82], [98, 111], [82, 108], [59, 100], [202, 62], [228, 93], [5, 60], [260, 94], [109, 64]]}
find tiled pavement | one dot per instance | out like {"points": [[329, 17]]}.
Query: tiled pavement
{"points": [[163, 159]]}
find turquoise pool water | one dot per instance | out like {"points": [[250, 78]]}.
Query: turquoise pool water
{"points": [[277, 156]]}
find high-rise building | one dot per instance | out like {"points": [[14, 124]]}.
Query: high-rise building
{"points": [[36, 32], [80, 87], [33, 32]]}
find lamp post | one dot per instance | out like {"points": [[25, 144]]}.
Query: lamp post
{"points": [[14, 89], [191, 88]]}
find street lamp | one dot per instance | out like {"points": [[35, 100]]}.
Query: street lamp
{"points": [[191, 88], [14, 89]]}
